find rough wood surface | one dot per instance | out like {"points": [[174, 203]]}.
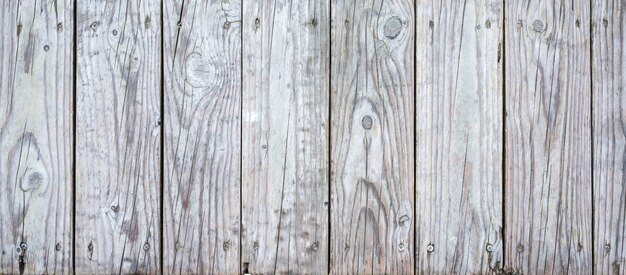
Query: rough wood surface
{"points": [[118, 136], [609, 135], [548, 137], [372, 168], [459, 136], [202, 66], [285, 136], [36, 136]]}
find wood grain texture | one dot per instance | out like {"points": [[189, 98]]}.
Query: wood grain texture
{"points": [[372, 127], [285, 136], [36, 136], [548, 137], [609, 135], [459, 136], [202, 52], [118, 136]]}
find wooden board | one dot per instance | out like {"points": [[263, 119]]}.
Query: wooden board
{"points": [[285, 137], [459, 138], [202, 66], [372, 151], [36, 132], [548, 137], [118, 139], [609, 135]]}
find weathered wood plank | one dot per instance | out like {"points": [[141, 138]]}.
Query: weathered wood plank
{"points": [[459, 136], [118, 138], [548, 137], [609, 135], [285, 136], [202, 52], [36, 133], [372, 127]]}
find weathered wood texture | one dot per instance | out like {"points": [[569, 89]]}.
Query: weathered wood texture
{"points": [[202, 66], [459, 136], [372, 168], [285, 136], [36, 132], [609, 135], [548, 137], [118, 136]]}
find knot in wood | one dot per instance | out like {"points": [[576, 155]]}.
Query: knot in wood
{"points": [[34, 182], [199, 72], [403, 219], [392, 27], [367, 122], [538, 25]]}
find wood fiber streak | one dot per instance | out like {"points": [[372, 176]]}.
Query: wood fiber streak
{"points": [[609, 135], [459, 138], [202, 52], [285, 136], [548, 137], [36, 136], [372, 127], [118, 136]]}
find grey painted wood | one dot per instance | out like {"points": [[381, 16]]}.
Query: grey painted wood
{"points": [[609, 135], [285, 136], [459, 138], [372, 151], [202, 66], [118, 140], [548, 137], [36, 136]]}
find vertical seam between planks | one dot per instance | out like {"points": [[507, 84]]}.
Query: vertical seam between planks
{"points": [[414, 139], [329, 125], [593, 210], [162, 111], [504, 118], [74, 109]]}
